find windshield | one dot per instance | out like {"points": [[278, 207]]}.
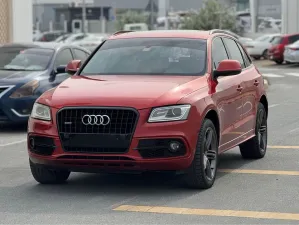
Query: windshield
{"points": [[149, 56], [22, 58], [277, 40]]}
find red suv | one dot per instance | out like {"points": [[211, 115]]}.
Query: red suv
{"points": [[151, 101], [275, 53]]}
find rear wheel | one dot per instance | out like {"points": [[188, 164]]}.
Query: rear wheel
{"points": [[45, 175], [265, 54], [202, 172], [279, 61], [256, 147]]}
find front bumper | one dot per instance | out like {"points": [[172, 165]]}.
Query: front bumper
{"points": [[16, 110], [52, 153], [292, 57]]}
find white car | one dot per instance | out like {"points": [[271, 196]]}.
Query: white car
{"points": [[291, 53], [259, 47], [92, 41]]}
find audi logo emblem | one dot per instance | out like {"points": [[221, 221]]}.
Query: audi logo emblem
{"points": [[96, 120]]}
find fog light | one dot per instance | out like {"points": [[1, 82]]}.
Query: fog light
{"points": [[31, 143], [174, 146]]}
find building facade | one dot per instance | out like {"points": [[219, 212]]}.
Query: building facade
{"points": [[15, 21]]}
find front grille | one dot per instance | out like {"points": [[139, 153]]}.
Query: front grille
{"points": [[115, 137], [159, 148]]}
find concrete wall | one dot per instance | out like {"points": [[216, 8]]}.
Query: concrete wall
{"points": [[15, 21], [290, 16], [21, 20]]}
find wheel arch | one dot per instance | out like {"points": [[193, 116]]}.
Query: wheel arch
{"points": [[264, 101], [212, 115]]}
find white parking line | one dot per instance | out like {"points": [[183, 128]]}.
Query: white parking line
{"points": [[293, 74], [274, 105], [13, 143], [271, 75]]}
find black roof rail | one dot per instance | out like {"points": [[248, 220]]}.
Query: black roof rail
{"points": [[122, 32], [219, 31]]}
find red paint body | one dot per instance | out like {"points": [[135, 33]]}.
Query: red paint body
{"points": [[233, 98], [275, 53]]}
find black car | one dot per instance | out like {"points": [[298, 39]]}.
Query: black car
{"points": [[27, 71]]}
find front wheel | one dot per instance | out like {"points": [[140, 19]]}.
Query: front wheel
{"points": [[45, 175], [256, 147], [202, 172]]}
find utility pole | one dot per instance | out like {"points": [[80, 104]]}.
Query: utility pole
{"points": [[83, 16]]}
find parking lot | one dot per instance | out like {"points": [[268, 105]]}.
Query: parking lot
{"points": [[245, 192]]}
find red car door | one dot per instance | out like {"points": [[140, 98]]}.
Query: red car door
{"points": [[252, 81], [240, 125], [228, 99]]}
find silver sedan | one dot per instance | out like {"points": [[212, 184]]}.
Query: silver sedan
{"points": [[291, 53]]}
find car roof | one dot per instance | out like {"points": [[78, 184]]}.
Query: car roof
{"points": [[50, 45], [196, 34]]}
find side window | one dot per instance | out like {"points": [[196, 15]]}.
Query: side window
{"points": [[79, 54], [234, 51], [218, 52], [63, 57], [293, 39], [245, 56]]}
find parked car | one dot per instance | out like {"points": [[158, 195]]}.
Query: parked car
{"points": [[259, 47], [291, 53], [49, 36], [276, 52], [27, 71], [73, 37], [92, 41], [151, 101]]}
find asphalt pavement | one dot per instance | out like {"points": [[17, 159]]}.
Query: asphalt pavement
{"points": [[264, 191]]}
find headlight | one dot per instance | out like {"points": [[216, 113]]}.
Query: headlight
{"points": [[169, 113], [26, 90], [41, 112]]}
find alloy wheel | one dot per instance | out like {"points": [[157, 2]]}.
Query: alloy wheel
{"points": [[262, 130], [210, 154]]}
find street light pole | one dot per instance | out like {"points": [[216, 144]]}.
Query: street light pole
{"points": [[83, 16]]}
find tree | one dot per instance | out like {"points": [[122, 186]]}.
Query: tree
{"points": [[213, 15], [130, 17]]}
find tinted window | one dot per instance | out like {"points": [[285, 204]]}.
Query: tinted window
{"points": [[277, 40], [79, 54], [245, 56], [293, 39], [22, 58], [63, 57], [149, 56], [218, 52], [234, 51]]}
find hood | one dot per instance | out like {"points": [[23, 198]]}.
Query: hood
{"points": [[9, 76], [131, 91]]}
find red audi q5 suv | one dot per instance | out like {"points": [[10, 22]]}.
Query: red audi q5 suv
{"points": [[151, 101]]}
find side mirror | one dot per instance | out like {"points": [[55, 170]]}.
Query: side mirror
{"points": [[60, 69], [228, 67], [73, 66]]}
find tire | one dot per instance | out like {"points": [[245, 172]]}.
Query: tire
{"points": [[265, 54], [44, 175], [256, 147], [197, 174], [257, 57], [278, 62]]}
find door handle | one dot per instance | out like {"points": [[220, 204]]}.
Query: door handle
{"points": [[239, 88], [256, 83]]}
